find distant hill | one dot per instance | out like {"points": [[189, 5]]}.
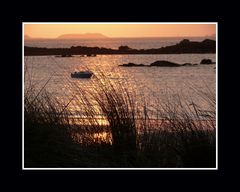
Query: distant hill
{"points": [[83, 36]]}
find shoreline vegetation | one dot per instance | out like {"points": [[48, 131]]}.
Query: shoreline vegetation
{"points": [[183, 135], [183, 47]]}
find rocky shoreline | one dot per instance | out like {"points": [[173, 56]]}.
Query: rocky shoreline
{"points": [[183, 47], [163, 63]]}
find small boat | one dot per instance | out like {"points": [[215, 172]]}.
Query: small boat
{"points": [[82, 74]]}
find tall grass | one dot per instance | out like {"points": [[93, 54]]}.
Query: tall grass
{"points": [[183, 135], [192, 132]]}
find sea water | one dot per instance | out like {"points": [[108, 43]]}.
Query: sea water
{"points": [[156, 84]]}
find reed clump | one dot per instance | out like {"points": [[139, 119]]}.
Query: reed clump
{"points": [[183, 135]]}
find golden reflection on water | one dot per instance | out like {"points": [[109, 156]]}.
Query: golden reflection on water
{"points": [[147, 81], [92, 136], [88, 121], [102, 137]]}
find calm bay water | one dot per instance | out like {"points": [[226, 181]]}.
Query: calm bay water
{"points": [[155, 83]]}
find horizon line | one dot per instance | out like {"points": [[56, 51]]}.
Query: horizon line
{"points": [[29, 37]]}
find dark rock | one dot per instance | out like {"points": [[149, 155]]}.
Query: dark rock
{"points": [[184, 41], [124, 48], [132, 65], [161, 63], [208, 41], [189, 64], [164, 64], [206, 61]]}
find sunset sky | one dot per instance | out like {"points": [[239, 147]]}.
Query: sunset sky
{"points": [[119, 30]]}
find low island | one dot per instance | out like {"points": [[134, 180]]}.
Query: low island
{"points": [[163, 63]]}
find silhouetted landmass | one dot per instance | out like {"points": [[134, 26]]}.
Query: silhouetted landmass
{"points": [[189, 64], [163, 63], [132, 65], [207, 62], [184, 46], [83, 36]]}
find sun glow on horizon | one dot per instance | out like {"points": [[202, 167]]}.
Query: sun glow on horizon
{"points": [[114, 30]]}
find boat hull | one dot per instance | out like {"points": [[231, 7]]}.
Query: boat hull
{"points": [[81, 75]]}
